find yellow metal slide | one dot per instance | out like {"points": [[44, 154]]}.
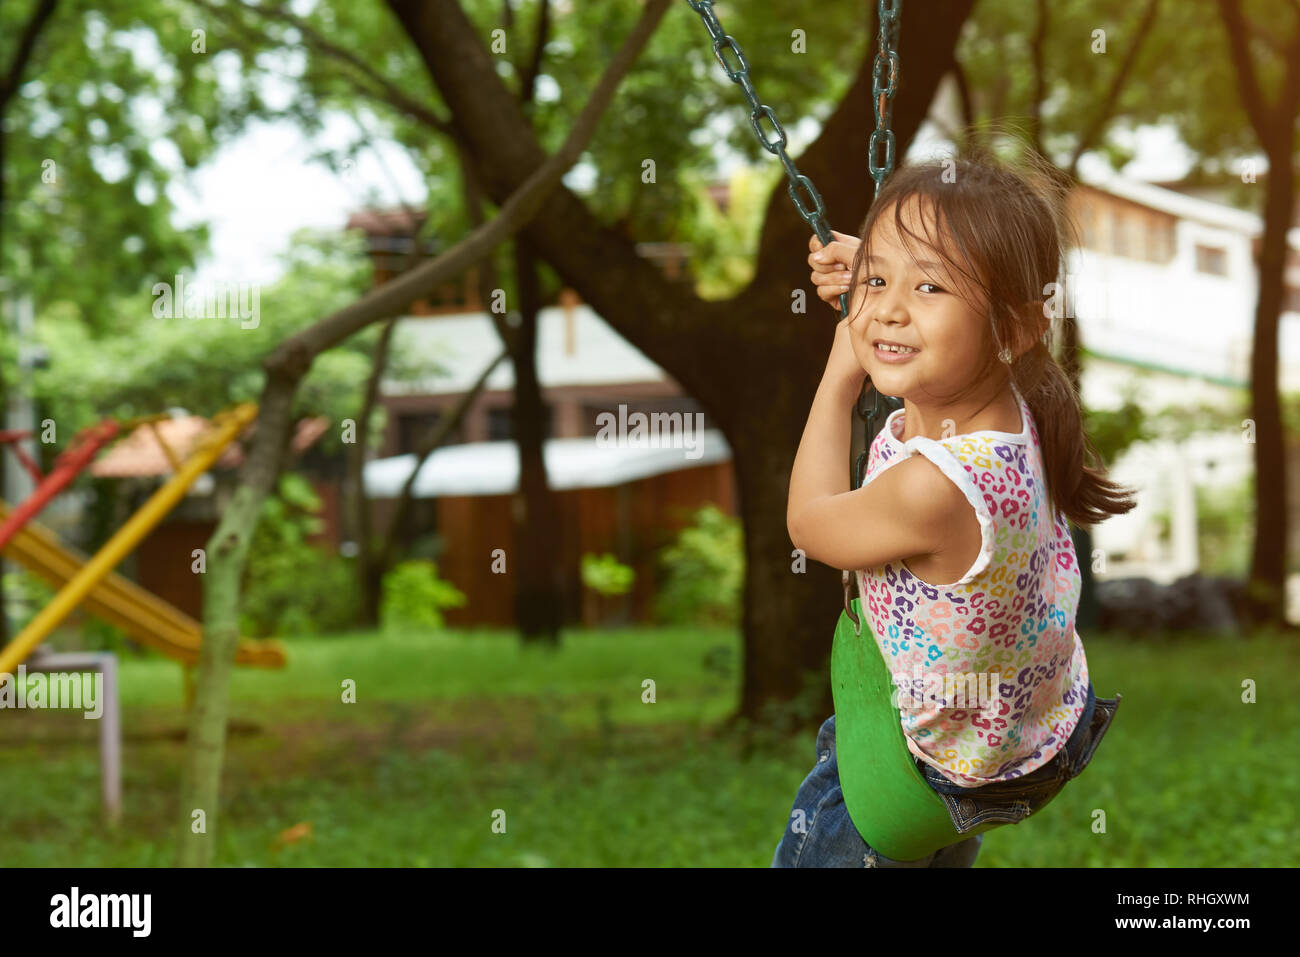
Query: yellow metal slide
{"points": [[91, 582], [137, 611]]}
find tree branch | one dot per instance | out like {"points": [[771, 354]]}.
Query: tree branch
{"points": [[967, 103], [1040, 80], [486, 277], [26, 45], [1252, 99], [428, 444], [526, 87], [359, 507], [388, 92], [1290, 97], [518, 210], [669, 322], [1107, 109], [1268, 37]]}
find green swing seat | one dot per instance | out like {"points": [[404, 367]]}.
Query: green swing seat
{"points": [[888, 799]]}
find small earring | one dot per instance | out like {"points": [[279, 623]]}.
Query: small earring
{"points": [[1005, 356]]}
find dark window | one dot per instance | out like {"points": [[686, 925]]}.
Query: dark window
{"points": [[412, 427], [1119, 234], [1212, 260], [1160, 240], [419, 533], [1291, 302], [1092, 228], [501, 424]]}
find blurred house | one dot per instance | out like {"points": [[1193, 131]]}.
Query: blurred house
{"points": [[1163, 288], [624, 501]]}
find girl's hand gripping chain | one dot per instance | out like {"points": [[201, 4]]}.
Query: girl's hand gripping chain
{"points": [[830, 266]]}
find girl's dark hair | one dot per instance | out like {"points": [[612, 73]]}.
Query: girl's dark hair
{"points": [[1008, 225]]}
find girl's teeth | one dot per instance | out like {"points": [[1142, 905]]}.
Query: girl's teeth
{"points": [[896, 349]]}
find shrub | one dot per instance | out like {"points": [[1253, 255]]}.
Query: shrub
{"points": [[704, 571], [26, 594], [414, 596], [293, 586], [1225, 528], [605, 575]]}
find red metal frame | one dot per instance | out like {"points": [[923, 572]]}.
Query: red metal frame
{"points": [[15, 435], [81, 451]]}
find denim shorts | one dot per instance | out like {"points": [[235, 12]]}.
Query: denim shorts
{"points": [[819, 832]]}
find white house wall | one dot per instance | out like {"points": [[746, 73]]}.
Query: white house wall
{"points": [[575, 346]]}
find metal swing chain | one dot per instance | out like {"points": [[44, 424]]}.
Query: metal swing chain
{"points": [[722, 41], [875, 409], [884, 84]]}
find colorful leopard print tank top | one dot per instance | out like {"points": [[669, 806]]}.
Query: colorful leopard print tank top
{"points": [[990, 672]]}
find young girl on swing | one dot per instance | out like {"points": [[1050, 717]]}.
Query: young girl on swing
{"points": [[969, 484]]}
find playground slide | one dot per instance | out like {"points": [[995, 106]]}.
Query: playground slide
{"points": [[141, 614]]}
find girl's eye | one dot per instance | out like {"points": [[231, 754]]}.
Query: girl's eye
{"points": [[932, 286], [872, 279]]}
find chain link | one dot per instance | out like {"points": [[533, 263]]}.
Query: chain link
{"points": [[884, 84], [872, 407], [812, 212]]}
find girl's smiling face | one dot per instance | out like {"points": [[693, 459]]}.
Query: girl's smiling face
{"points": [[922, 304]]}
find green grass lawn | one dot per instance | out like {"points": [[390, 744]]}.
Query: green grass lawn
{"points": [[452, 730]]}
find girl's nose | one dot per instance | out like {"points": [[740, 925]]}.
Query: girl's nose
{"points": [[889, 308]]}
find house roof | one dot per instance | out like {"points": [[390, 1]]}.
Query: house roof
{"points": [[1182, 205], [492, 468], [575, 346], [139, 454], [387, 222]]}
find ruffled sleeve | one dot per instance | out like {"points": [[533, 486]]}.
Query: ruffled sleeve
{"points": [[952, 467]]}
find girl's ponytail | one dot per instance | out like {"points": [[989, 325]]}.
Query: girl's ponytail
{"points": [[1076, 487]]}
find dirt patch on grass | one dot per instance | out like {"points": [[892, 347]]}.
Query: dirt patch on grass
{"points": [[64, 727], [339, 740], [311, 743]]}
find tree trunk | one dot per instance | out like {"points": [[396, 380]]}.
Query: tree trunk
{"points": [[10, 79], [358, 505], [1266, 591], [4, 389], [803, 599], [752, 362], [1274, 125], [227, 554], [538, 594]]}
